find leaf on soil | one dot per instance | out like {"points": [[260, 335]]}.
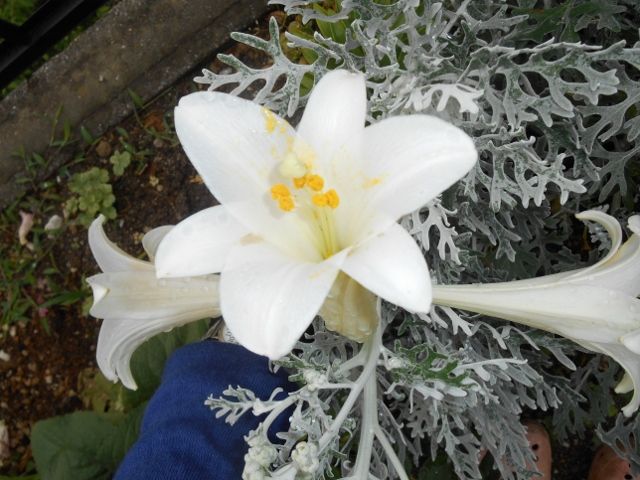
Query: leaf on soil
{"points": [[84, 445]]}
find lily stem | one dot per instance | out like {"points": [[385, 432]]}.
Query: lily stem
{"points": [[367, 429], [391, 454], [370, 353]]}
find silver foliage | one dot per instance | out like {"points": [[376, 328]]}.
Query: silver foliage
{"points": [[551, 100]]}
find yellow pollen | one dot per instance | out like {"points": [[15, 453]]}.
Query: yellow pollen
{"points": [[300, 182], [315, 182], [280, 191], [371, 182], [333, 200], [328, 199], [286, 204], [270, 120], [320, 200]]}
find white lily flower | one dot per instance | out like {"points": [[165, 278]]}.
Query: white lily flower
{"points": [[135, 305], [596, 307], [299, 207]]}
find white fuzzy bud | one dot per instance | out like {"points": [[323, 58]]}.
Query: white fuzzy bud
{"points": [[314, 379], [252, 470], [305, 457], [394, 363], [263, 454]]}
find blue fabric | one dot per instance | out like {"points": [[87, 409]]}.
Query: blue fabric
{"points": [[180, 437]]}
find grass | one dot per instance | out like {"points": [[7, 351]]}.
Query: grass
{"points": [[17, 11], [31, 282]]}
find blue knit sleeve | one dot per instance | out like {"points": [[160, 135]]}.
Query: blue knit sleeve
{"points": [[180, 437]]}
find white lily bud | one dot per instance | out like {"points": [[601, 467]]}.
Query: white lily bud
{"points": [[597, 307]]}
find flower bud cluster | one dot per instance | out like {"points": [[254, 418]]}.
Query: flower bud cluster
{"points": [[261, 455], [305, 457], [314, 379]]}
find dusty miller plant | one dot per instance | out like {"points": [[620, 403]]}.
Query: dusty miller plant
{"points": [[550, 93]]}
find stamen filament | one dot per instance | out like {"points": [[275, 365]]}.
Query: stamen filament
{"points": [[311, 200]]}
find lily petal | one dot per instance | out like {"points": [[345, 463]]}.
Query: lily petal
{"points": [[333, 120], [199, 244], [109, 257], [613, 228], [625, 385], [231, 142], [595, 315], [136, 306], [268, 299], [634, 224], [236, 146], [620, 268], [631, 340], [392, 266], [631, 363], [141, 296], [152, 239], [410, 160]]}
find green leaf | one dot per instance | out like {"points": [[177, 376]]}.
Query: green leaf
{"points": [[137, 99], [86, 135], [91, 445], [65, 298], [122, 132], [120, 161], [84, 445]]}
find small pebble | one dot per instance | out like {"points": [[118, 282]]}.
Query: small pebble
{"points": [[4, 356], [104, 149], [54, 223], [158, 143]]}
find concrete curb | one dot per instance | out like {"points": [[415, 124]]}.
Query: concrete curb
{"points": [[142, 45]]}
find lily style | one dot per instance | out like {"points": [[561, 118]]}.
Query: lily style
{"points": [[596, 307], [309, 214], [135, 305]]}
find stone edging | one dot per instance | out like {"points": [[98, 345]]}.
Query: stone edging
{"points": [[142, 45]]}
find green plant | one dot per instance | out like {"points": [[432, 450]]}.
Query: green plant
{"points": [[17, 11], [30, 281], [93, 196], [120, 161]]}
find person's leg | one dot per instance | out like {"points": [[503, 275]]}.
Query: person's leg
{"points": [[541, 445], [180, 438], [609, 466]]}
